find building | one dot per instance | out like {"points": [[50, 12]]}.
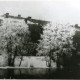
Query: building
{"points": [[34, 21]]}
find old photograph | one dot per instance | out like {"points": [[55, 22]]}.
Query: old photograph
{"points": [[40, 39]]}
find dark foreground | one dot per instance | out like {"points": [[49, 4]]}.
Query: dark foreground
{"points": [[40, 73]]}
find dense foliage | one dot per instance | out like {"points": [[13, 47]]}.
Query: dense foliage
{"points": [[15, 39], [57, 42], [61, 43]]}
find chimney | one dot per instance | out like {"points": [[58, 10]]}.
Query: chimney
{"points": [[19, 16], [29, 18], [76, 25], [7, 15]]}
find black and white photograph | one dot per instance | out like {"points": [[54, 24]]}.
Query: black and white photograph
{"points": [[40, 39]]}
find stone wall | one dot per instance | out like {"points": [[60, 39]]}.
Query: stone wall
{"points": [[3, 60], [27, 61], [33, 61]]}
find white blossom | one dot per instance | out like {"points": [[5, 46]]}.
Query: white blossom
{"points": [[56, 37]]}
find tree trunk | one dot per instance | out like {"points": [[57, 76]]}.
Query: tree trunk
{"points": [[12, 57], [9, 60], [50, 62], [50, 59], [13, 60], [21, 61], [15, 53]]}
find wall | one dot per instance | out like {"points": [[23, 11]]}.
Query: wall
{"points": [[3, 60], [33, 61]]}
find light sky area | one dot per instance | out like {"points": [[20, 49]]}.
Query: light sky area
{"points": [[59, 11]]}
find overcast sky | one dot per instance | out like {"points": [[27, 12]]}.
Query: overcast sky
{"points": [[60, 11]]}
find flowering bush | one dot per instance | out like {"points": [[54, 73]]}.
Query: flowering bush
{"points": [[12, 29], [57, 40]]}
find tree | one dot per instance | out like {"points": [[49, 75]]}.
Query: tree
{"points": [[14, 34], [57, 42], [76, 44]]}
